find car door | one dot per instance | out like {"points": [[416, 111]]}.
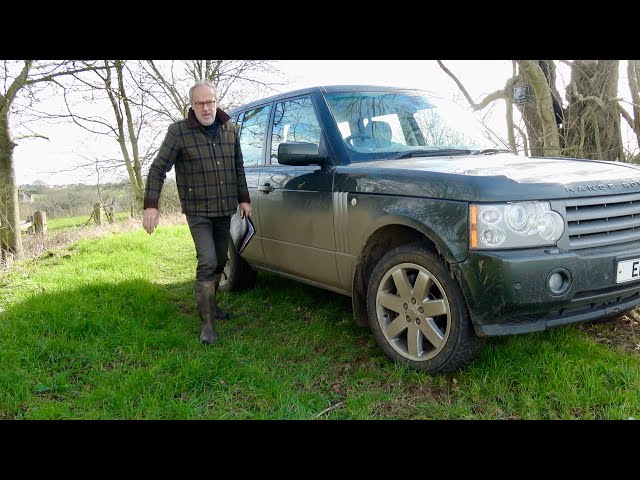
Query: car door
{"points": [[253, 125], [296, 206]]}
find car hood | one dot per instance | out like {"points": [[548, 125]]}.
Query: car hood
{"points": [[489, 177]]}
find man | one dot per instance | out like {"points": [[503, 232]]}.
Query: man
{"points": [[205, 149]]}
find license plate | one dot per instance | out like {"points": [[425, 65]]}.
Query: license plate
{"points": [[628, 270]]}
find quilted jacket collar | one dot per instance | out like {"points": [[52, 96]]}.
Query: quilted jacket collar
{"points": [[221, 116]]}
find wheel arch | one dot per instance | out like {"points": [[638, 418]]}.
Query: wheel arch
{"points": [[389, 233]]}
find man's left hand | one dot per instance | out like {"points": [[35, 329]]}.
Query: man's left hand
{"points": [[245, 209]]}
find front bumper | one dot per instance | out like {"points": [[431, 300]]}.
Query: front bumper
{"points": [[507, 292]]}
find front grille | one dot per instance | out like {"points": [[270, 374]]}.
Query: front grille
{"points": [[600, 221]]}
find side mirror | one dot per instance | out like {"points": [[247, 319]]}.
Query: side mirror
{"points": [[300, 153]]}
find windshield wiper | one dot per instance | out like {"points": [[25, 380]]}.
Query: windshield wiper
{"points": [[434, 153], [491, 151]]}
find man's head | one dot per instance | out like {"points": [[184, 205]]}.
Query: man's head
{"points": [[204, 101]]}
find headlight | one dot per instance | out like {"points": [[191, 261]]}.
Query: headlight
{"points": [[514, 225]]}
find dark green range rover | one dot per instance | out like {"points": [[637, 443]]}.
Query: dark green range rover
{"points": [[439, 233]]}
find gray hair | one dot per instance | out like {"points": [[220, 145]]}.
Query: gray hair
{"points": [[206, 83]]}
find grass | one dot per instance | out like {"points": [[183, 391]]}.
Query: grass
{"points": [[55, 225], [107, 329]]}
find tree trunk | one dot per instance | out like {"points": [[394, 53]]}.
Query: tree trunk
{"points": [[9, 210], [119, 100], [137, 181], [539, 116], [633, 74], [592, 120], [532, 122]]}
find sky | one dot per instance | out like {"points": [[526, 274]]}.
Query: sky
{"points": [[47, 160]]}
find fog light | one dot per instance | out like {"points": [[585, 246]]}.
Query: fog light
{"points": [[555, 282], [558, 281]]}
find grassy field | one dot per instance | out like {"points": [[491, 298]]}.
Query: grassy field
{"points": [[107, 329], [55, 225]]}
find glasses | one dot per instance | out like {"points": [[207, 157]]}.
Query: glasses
{"points": [[208, 103]]}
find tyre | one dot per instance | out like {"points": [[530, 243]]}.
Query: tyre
{"points": [[237, 274], [417, 312]]}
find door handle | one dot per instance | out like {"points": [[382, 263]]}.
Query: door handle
{"points": [[266, 188]]}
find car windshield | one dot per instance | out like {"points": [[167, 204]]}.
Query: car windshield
{"points": [[406, 124]]}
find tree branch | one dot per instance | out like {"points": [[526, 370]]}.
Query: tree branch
{"points": [[35, 135], [626, 116], [498, 94], [598, 101], [47, 78], [18, 83], [524, 139]]}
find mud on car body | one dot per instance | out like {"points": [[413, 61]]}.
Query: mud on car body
{"points": [[439, 234]]}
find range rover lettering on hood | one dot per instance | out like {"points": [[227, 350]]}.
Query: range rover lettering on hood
{"points": [[602, 186]]}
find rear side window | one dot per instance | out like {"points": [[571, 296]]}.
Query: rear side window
{"points": [[294, 121], [252, 134]]}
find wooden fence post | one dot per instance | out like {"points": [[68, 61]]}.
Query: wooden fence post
{"points": [[40, 222], [97, 213], [110, 213], [6, 259]]}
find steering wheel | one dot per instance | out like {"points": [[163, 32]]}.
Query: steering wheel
{"points": [[357, 135]]}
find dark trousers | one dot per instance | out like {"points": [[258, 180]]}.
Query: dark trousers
{"points": [[211, 237]]}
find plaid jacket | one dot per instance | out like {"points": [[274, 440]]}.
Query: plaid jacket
{"points": [[209, 171]]}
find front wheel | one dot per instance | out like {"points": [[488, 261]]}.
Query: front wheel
{"points": [[237, 274], [417, 312]]}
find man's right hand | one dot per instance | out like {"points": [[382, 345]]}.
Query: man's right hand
{"points": [[150, 219]]}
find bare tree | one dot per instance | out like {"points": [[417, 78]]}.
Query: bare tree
{"points": [[122, 110], [235, 80], [505, 94], [139, 93], [111, 104], [20, 81], [113, 86], [143, 96], [588, 125], [592, 118]]}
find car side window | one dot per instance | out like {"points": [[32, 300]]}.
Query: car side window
{"points": [[294, 121], [253, 129]]}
